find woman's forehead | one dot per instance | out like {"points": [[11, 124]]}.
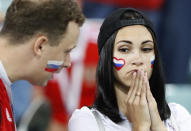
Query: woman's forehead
{"points": [[133, 33]]}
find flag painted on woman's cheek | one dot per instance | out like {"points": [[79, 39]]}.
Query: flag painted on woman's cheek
{"points": [[152, 61], [53, 66], [118, 63]]}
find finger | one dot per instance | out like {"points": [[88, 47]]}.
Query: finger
{"points": [[143, 99], [150, 99], [137, 79], [138, 91], [143, 89], [131, 85], [140, 83], [152, 105], [148, 91]]}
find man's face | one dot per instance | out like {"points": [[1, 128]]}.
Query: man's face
{"points": [[54, 58], [133, 50]]}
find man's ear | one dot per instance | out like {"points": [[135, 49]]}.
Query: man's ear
{"points": [[39, 45]]}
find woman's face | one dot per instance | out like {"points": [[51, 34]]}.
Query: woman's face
{"points": [[133, 50]]}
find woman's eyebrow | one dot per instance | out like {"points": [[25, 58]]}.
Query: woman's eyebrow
{"points": [[125, 41], [147, 41], [129, 42]]}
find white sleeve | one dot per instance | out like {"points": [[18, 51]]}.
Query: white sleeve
{"points": [[182, 116], [82, 120]]}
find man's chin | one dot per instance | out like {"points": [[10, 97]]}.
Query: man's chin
{"points": [[45, 83], [41, 84]]}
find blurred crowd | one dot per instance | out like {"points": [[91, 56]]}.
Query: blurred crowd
{"points": [[50, 107]]}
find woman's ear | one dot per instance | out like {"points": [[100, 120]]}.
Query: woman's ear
{"points": [[39, 45]]}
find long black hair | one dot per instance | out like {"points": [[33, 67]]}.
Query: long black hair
{"points": [[106, 101]]}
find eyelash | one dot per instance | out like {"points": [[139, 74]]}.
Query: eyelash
{"points": [[147, 49], [125, 50]]}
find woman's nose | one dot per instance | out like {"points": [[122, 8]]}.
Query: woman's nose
{"points": [[137, 59], [137, 63]]}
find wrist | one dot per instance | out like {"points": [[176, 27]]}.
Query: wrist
{"points": [[159, 128], [141, 128]]}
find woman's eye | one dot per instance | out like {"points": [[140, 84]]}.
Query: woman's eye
{"points": [[123, 49], [147, 49]]}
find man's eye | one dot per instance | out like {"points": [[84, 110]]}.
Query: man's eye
{"points": [[147, 49], [123, 49]]}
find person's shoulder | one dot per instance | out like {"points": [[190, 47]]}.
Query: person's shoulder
{"points": [[179, 112], [178, 109], [80, 118], [84, 111]]}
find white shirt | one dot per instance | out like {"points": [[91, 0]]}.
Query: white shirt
{"points": [[84, 120], [6, 81]]}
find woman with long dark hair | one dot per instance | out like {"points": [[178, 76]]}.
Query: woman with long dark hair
{"points": [[131, 87]]}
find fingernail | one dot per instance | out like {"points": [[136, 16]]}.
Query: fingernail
{"points": [[145, 79], [134, 74], [142, 73], [139, 72]]}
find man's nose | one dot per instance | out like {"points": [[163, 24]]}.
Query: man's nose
{"points": [[67, 62]]}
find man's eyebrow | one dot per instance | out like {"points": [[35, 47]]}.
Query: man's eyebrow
{"points": [[68, 50]]}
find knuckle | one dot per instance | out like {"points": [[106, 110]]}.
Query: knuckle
{"points": [[142, 104], [136, 104], [129, 102]]}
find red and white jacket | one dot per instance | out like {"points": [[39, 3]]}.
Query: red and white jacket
{"points": [[6, 113]]}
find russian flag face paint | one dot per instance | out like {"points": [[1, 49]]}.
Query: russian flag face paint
{"points": [[152, 61], [118, 63], [53, 66]]}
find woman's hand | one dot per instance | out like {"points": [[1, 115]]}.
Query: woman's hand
{"points": [[138, 110], [156, 122]]}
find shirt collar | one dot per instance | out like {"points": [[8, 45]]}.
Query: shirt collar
{"points": [[6, 81]]}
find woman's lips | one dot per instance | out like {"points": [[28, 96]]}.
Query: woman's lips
{"points": [[135, 70], [132, 71]]}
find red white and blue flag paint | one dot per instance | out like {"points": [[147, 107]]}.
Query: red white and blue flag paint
{"points": [[118, 63], [53, 66], [152, 61]]}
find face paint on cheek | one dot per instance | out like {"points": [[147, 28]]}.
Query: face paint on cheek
{"points": [[152, 61], [118, 63], [53, 66]]}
